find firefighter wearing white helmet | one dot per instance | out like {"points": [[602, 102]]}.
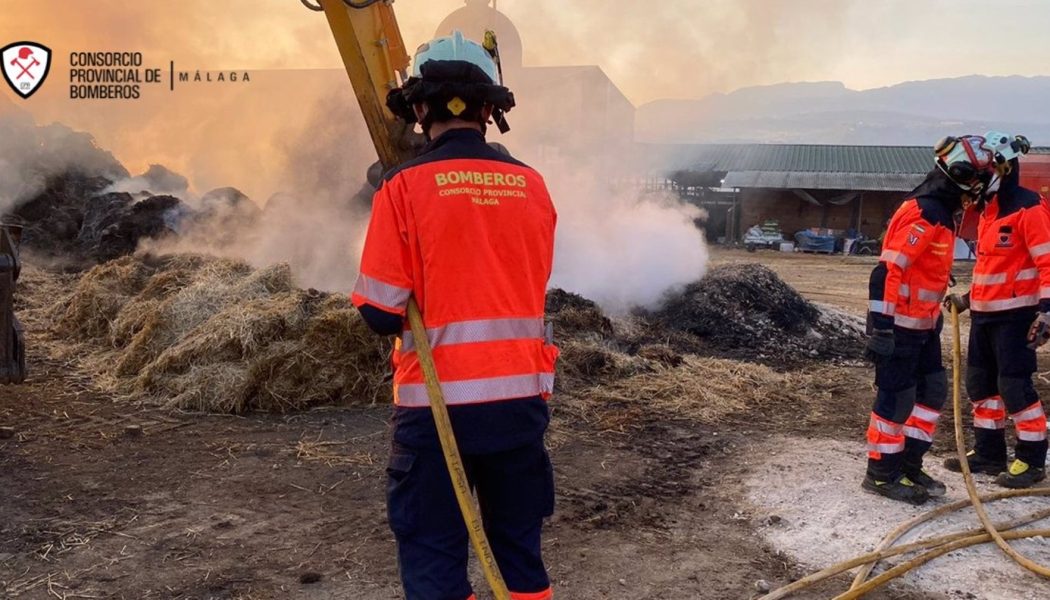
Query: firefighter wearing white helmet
{"points": [[453, 78], [468, 231], [1010, 315]]}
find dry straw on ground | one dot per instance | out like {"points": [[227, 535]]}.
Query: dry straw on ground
{"points": [[637, 360], [216, 335], [212, 334]]}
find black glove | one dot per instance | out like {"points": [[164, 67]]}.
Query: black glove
{"points": [[1039, 333], [880, 346], [960, 301]]}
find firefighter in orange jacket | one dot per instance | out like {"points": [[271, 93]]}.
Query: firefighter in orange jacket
{"points": [[469, 232], [905, 293], [1009, 303]]}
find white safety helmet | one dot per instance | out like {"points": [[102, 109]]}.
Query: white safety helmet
{"points": [[966, 160], [1005, 147], [456, 47]]}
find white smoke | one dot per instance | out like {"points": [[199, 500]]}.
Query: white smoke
{"points": [[621, 248], [316, 219], [30, 156]]}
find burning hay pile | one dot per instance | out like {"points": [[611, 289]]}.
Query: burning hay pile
{"points": [[216, 335], [715, 349], [747, 312]]}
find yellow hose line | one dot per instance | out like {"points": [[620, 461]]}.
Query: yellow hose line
{"points": [[960, 443], [943, 544], [907, 526], [922, 559], [452, 457], [885, 552]]}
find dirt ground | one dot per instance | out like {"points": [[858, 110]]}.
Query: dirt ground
{"points": [[108, 499]]}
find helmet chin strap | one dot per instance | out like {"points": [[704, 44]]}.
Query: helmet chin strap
{"points": [[993, 185]]}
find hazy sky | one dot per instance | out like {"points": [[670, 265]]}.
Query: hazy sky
{"points": [[664, 48]]}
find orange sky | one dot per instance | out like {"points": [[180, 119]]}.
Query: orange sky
{"points": [[246, 135], [671, 48]]}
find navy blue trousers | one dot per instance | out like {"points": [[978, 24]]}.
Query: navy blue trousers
{"points": [[999, 363], [515, 491], [913, 375]]}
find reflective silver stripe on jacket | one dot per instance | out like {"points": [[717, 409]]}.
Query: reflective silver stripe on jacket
{"points": [[1039, 250], [904, 290], [382, 293], [1007, 304], [926, 414], [1033, 412], [917, 434], [1027, 275], [473, 391], [915, 323], [1044, 293], [886, 448], [930, 295], [482, 330], [894, 257], [983, 423], [879, 306], [989, 278]]}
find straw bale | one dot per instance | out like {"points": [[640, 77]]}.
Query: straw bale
{"points": [[98, 298], [216, 335]]}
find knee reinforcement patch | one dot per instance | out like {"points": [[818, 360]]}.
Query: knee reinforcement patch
{"points": [[1018, 393], [936, 392], [980, 383]]}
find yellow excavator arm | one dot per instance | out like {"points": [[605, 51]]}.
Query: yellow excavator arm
{"points": [[376, 62]]}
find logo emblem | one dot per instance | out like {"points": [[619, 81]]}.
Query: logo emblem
{"points": [[1005, 237], [26, 65]]}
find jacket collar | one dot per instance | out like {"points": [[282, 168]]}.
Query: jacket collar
{"points": [[462, 134]]}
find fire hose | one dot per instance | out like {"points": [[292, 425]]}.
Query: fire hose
{"points": [[452, 458], [940, 545]]}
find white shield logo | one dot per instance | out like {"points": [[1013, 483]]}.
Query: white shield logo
{"points": [[26, 65]]}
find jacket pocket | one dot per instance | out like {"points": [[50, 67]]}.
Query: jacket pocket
{"points": [[548, 475], [402, 491]]}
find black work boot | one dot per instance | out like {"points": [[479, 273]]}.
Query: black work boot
{"points": [[978, 464], [901, 489], [1021, 475], [934, 488]]}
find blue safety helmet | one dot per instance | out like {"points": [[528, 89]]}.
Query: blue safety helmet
{"points": [[456, 47], [456, 78]]}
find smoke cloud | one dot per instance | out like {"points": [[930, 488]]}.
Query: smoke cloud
{"points": [[294, 142], [316, 217], [31, 155], [622, 249]]}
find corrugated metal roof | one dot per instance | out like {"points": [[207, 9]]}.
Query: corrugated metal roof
{"points": [[811, 158], [815, 180], [815, 167]]}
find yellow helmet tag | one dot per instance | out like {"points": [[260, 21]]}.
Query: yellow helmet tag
{"points": [[456, 106]]}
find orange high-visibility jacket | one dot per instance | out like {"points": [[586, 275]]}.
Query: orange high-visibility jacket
{"points": [[1013, 255], [907, 286], [469, 232]]}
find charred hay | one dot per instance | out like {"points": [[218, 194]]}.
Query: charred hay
{"points": [[76, 217], [216, 335], [746, 311]]}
